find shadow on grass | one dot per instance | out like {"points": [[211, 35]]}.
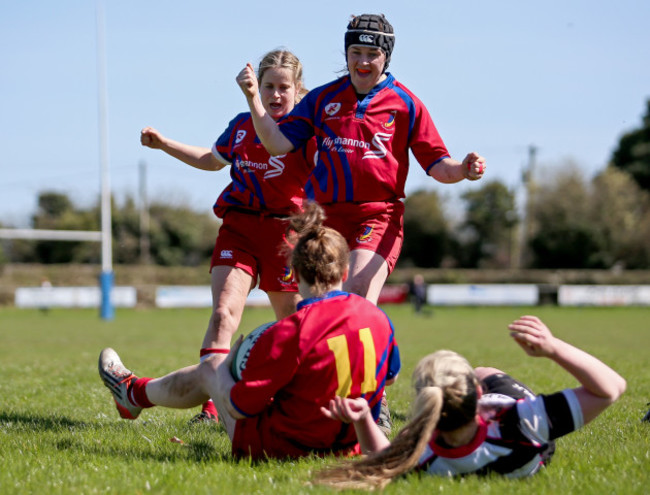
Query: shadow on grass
{"points": [[127, 440], [38, 423], [198, 452], [101, 439]]}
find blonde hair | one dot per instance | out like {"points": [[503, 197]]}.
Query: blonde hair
{"points": [[320, 255], [445, 387], [283, 59]]}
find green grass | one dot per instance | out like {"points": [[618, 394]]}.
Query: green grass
{"points": [[60, 433]]}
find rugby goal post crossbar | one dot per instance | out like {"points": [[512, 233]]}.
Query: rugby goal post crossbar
{"points": [[51, 235]]}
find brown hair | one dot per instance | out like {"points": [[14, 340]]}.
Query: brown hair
{"points": [[442, 381], [320, 255], [283, 59]]}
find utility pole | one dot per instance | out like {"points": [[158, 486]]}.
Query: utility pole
{"points": [[528, 181], [145, 256]]}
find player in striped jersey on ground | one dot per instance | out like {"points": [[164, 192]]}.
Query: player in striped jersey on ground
{"points": [[478, 421]]}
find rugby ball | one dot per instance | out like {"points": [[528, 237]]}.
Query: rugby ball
{"points": [[238, 364]]}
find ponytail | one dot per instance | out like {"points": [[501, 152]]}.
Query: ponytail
{"points": [[320, 255], [446, 395]]}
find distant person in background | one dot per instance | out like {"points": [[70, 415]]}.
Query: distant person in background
{"points": [[46, 294], [418, 292], [334, 344], [478, 421], [254, 208]]}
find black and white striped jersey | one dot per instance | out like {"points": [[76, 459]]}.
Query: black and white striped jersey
{"points": [[515, 437]]}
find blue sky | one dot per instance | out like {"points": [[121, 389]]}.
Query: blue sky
{"points": [[569, 77]]}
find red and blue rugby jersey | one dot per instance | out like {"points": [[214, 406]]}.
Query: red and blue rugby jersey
{"points": [[260, 182], [339, 344], [363, 147]]}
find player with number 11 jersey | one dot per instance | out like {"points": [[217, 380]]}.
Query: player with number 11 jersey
{"points": [[336, 344]]}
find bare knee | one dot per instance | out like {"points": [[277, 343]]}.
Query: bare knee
{"points": [[223, 325], [220, 319]]}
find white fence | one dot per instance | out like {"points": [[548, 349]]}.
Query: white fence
{"points": [[604, 295], [483, 295], [200, 296], [72, 297]]}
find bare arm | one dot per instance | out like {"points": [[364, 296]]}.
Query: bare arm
{"points": [[357, 411], [450, 171], [265, 127], [601, 385], [195, 156]]}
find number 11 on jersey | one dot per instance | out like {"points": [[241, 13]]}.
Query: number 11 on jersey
{"points": [[339, 347]]}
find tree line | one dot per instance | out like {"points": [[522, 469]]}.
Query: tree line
{"points": [[567, 221]]}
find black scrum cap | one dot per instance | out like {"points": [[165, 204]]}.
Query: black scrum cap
{"points": [[371, 30]]}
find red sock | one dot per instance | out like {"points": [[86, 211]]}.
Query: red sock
{"points": [[210, 408], [212, 350], [208, 351], [138, 394]]}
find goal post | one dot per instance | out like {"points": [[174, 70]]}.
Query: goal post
{"points": [[104, 236], [107, 311]]}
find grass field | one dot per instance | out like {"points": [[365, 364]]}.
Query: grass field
{"points": [[60, 432]]}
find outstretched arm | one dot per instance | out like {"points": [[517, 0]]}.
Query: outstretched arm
{"points": [[265, 127], [601, 385], [357, 411], [195, 156], [450, 171]]}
